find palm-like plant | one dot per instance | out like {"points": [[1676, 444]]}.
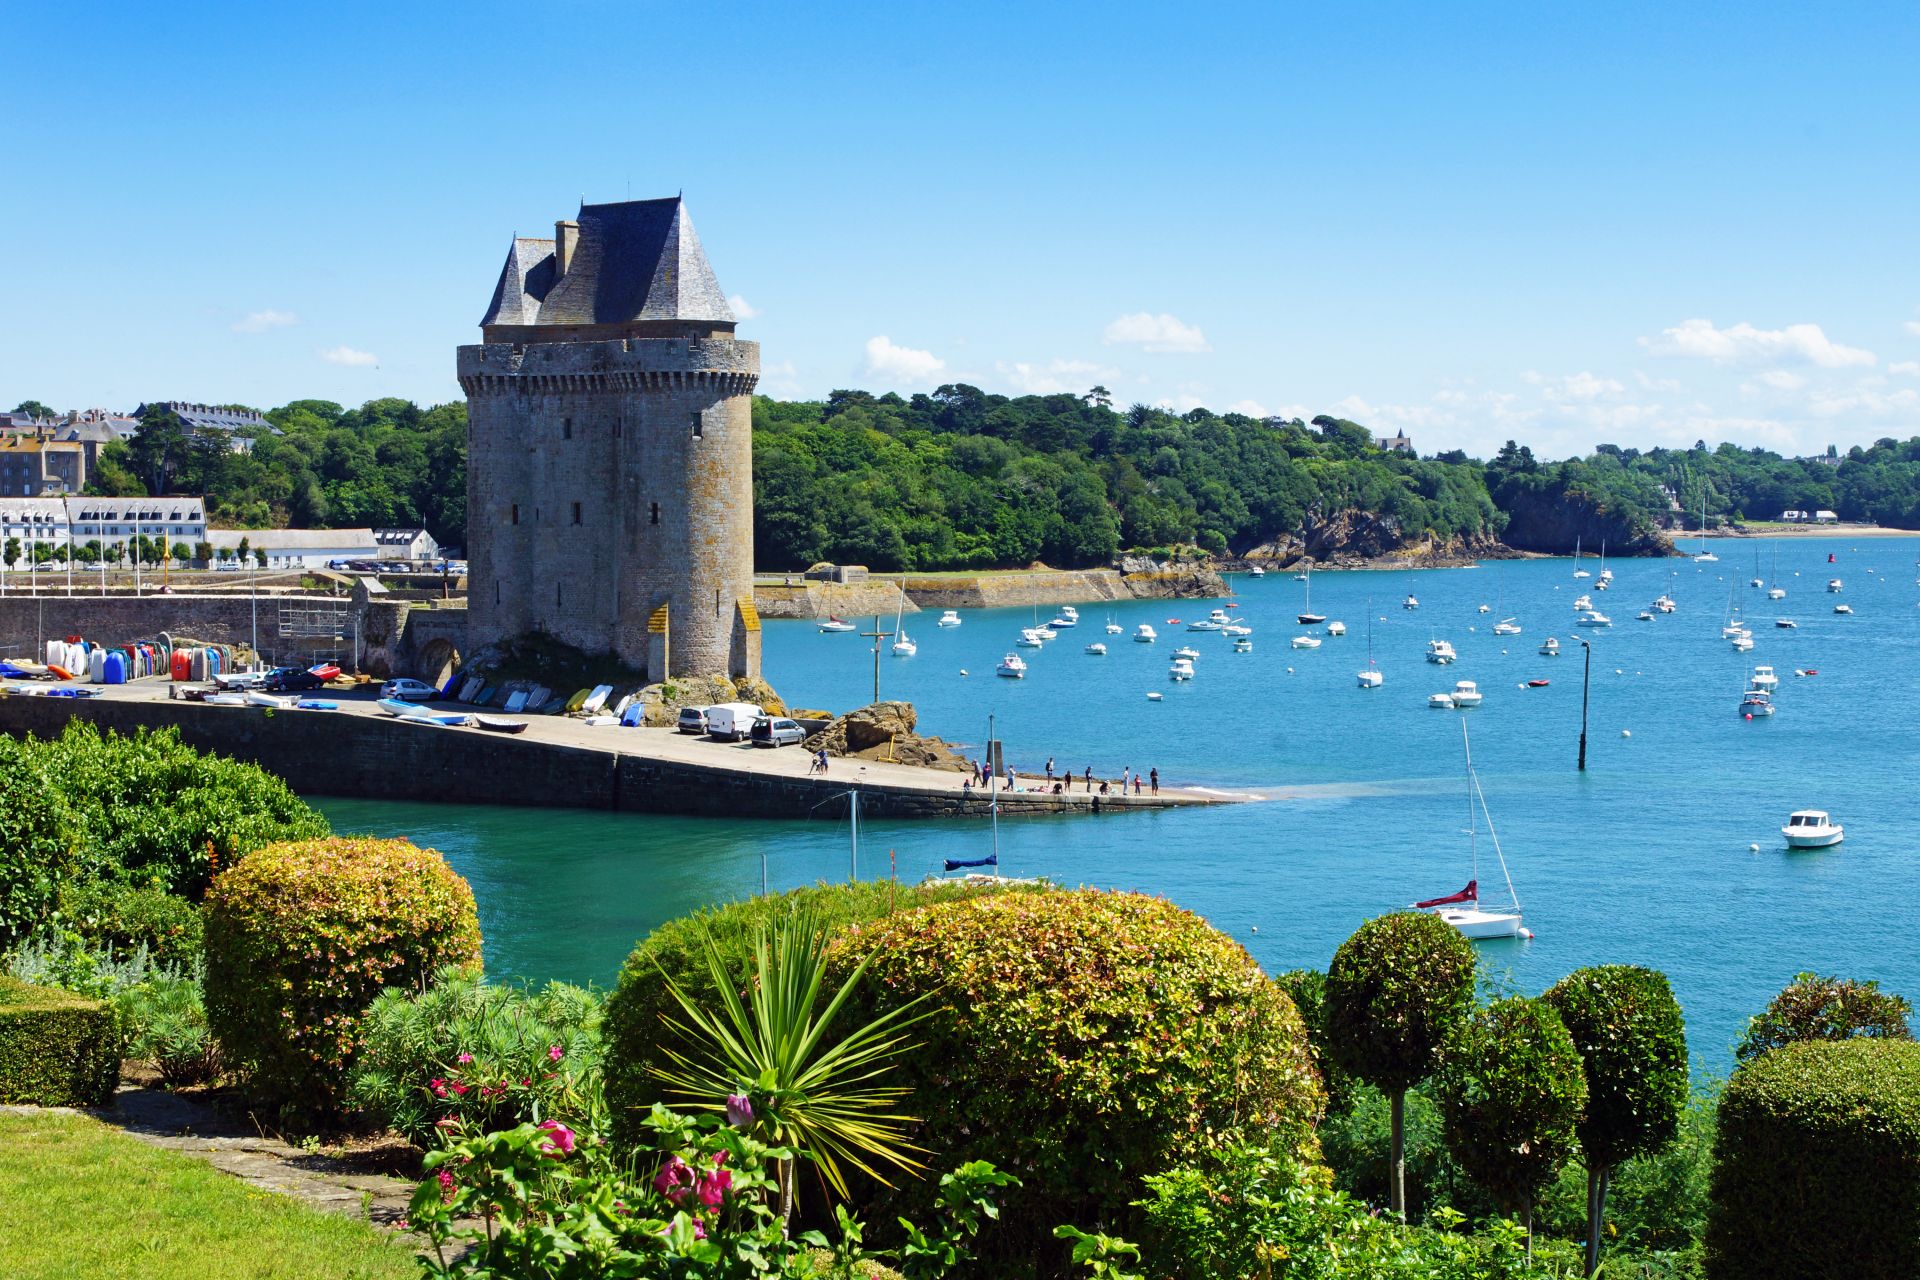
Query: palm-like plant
{"points": [[816, 1092]]}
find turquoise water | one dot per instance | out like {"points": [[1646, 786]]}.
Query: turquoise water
{"points": [[1642, 859]]}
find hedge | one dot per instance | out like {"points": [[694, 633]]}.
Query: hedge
{"points": [[57, 1049], [302, 936], [1817, 1165], [1082, 1041], [635, 1035]]}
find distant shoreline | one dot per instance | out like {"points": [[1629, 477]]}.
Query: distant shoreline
{"points": [[1794, 531]]}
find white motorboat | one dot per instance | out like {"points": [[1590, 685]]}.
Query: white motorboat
{"points": [[1786, 624], [1114, 628], [1204, 624], [1097, 649], [1485, 608], [1180, 670], [1776, 593], [1336, 628], [1843, 608], [1732, 629], [1236, 629], [1812, 829], [1306, 642], [1464, 910], [1440, 702], [1764, 677], [1550, 648], [1220, 616], [1645, 615], [1664, 604], [1506, 627], [1440, 652], [1410, 603], [1070, 613], [1046, 633], [1582, 602], [1154, 697], [950, 619], [1593, 618], [1756, 702], [1242, 644], [1256, 572], [1186, 651], [1834, 584], [1144, 634], [1742, 643], [1012, 666], [1466, 694], [1062, 623], [836, 624], [1030, 639]]}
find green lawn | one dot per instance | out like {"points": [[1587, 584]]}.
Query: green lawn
{"points": [[82, 1202]]}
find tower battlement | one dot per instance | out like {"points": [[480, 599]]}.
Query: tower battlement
{"points": [[610, 449]]}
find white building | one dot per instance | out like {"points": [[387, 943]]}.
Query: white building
{"points": [[60, 522], [406, 544], [299, 548]]}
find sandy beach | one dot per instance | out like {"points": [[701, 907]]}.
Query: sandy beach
{"points": [[1797, 531]]}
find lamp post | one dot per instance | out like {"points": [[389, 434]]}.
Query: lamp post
{"points": [[1586, 680]]}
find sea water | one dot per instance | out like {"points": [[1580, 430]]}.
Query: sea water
{"points": [[1642, 859]]}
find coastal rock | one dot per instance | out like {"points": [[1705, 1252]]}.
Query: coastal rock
{"points": [[1553, 523], [665, 700], [1355, 539], [1148, 578]]}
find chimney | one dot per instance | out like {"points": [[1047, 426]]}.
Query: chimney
{"points": [[565, 236]]}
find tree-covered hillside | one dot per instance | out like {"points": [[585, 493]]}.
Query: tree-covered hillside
{"points": [[963, 479]]}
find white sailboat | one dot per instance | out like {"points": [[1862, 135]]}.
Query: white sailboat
{"points": [[1372, 677], [1464, 910], [1774, 590], [1308, 618], [1704, 556], [904, 647], [1578, 572]]}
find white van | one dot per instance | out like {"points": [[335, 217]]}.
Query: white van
{"points": [[731, 721]]}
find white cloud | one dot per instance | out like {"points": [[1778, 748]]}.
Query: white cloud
{"points": [[1155, 333], [261, 321], [1913, 327], [905, 365], [1578, 387], [1056, 376], [1179, 403], [742, 309], [1744, 344], [1909, 367], [1781, 380], [350, 357], [1669, 385], [1864, 402], [1252, 408]]}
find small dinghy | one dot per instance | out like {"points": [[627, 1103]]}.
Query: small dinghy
{"points": [[494, 724], [315, 704]]}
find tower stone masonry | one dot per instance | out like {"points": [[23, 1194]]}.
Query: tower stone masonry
{"points": [[610, 449]]}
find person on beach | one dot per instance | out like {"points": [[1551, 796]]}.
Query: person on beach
{"points": [[1136, 784], [1089, 779], [823, 760], [1049, 768], [1009, 777], [1154, 774]]}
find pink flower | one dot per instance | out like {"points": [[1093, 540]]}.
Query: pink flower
{"points": [[464, 1059], [446, 1184], [438, 1086], [460, 1088], [714, 1187], [699, 1229], [559, 1139], [554, 1053], [674, 1179], [739, 1110]]}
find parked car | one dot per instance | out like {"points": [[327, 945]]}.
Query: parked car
{"points": [[408, 689], [731, 721], [692, 720], [291, 680], [776, 731]]}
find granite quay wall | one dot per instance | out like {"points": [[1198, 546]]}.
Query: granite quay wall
{"points": [[849, 600], [1005, 590], [337, 754]]}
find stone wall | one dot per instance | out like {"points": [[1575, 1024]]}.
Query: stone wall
{"points": [[852, 601], [319, 753]]}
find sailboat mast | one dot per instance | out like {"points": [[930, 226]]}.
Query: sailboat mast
{"points": [[1473, 781], [1473, 831], [853, 810]]}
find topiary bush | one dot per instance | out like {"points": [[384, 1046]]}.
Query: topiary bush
{"points": [[482, 1056], [57, 1049], [1632, 1040], [300, 939], [1817, 1165], [1080, 1041], [636, 1034], [1510, 1091], [1396, 991], [1815, 1008]]}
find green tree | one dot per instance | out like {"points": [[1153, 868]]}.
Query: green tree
{"points": [[183, 553], [1632, 1040], [260, 556], [11, 552], [203, 552], [1396, 990], [1511, 1090], [33, 409], [1812, 1007]]}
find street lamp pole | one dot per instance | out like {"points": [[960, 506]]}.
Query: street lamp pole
{"points": [[1586, 681]]}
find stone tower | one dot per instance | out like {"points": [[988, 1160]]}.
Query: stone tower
{"points": [[610, 449]]}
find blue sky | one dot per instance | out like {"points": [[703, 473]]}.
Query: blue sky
{"points": [[1636, 223]]}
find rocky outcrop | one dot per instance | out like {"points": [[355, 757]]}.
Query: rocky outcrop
{"points": [[1174, 579], [1554, 523], [1353, 539], [884, 731], [665, 700]]}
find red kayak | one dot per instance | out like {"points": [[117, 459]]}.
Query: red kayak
{"points": [[1536, 684]]}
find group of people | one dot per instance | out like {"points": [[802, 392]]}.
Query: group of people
{"points": [[1060, 784]]}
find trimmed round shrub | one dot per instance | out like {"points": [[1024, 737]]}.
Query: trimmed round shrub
{"points": [[636, 1036], [1396, 990], [1632, 1039], [1080, 1041], [302, 936], [1817, 1165], [1815, 1008], [1510, 1090]]}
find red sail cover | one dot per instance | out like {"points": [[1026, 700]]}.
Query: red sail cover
{"points": [[1469, 894]]}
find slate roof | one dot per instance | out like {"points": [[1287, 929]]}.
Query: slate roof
{"points": [[635, 260]]}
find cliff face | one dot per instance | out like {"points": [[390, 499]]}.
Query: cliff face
{"points": [[1551, 524], [1149, 579], [1353, 539]]}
